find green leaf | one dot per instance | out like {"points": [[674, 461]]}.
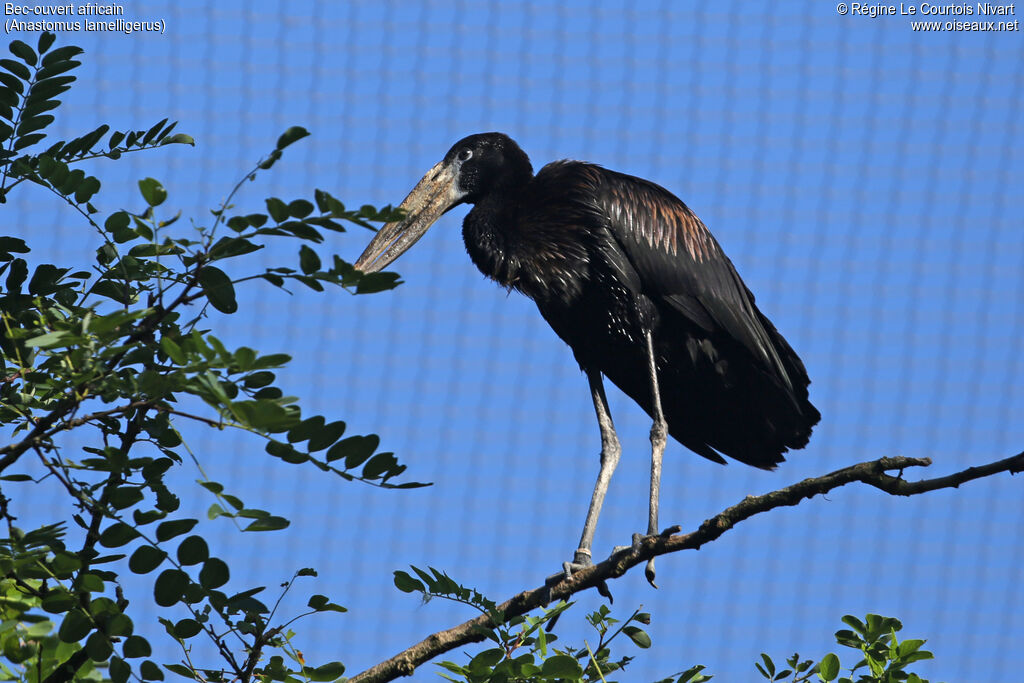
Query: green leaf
{"points": [[75, 626], [326, 436], [16, 68], [321, 603], [638, 636], [117, 535], [300, 208], [909, 645], [292, 135], [273, 360], [152, 191], [117, 223], [828, 670], [214, 573], [218, 289], [187, 628], [371, 283], [856, 624], [181, 670], [381, 464], [45, 41], [119, 669], [308, 260], [355, 450], [407, 584], [58, 602], [89, 187], [170, 586], [125, 496], [98, 647], [271, 523], [172, 350], [145, 559], [15, 278], [561, 666], [179, 139], [483, 662], [150, 671], [114, 623], [693, 674], [31, 139], [136, 646], [193, 550], [270, 160], [286, 453], [306, 429], [325, 672], [175, 527], [13, 244], [46, 279], [12, 82], [23, 51], [229, 247], [277, 209], [54, 70], [61, 54], [29, 125], [848, 638], [258, 380], [51, 339], [152, 132]]}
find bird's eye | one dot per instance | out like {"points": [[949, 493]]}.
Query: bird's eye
{"points": [[465, 154]]}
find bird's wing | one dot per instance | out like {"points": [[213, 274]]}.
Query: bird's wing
{"points": [[677, 260]]}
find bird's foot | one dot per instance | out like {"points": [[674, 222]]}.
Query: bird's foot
{"points": [[581, 560], [638, 539]]}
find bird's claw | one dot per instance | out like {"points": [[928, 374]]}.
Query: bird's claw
{"points": [[638, 540], [649, 573], [580, 561]]}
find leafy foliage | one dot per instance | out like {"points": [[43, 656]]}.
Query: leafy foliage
{"points": [[120, 351], [524, 647], [884, 656]]}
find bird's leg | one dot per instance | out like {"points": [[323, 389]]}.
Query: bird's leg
{"points": [[610, 452], [659, 431]]}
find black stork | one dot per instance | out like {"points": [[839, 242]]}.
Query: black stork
{"points": [[637, 286]]}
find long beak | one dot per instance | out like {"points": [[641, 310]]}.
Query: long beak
{"points": [[433, 195]]}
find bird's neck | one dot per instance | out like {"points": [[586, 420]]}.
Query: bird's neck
{"points": [[489, 233]]}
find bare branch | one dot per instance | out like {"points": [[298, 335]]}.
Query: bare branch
{"points": [[873, 473]]}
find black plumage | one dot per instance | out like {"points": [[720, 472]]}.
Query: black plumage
{"points": [[606, 255], [618, 265]]}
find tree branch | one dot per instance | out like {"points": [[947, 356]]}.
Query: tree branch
{"points": [[873, 473], [45, 428], [133, 427], [9, 454]]}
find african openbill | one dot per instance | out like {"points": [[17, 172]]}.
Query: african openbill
{"points": [[636, 285]]}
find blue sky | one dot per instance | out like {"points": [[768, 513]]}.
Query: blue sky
{"points": [[864, 178]]}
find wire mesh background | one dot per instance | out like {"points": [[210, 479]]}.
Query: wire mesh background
{"points": [[864, 178]]}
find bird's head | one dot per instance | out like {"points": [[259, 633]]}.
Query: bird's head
{"points": [[475, 167]]}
